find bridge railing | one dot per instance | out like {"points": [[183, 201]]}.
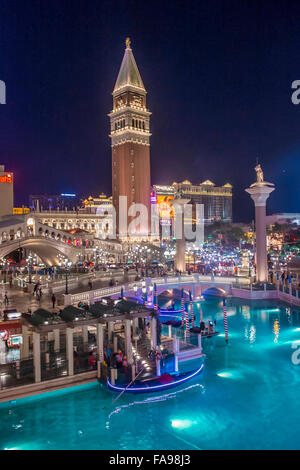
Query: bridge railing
{"points": [[93, 295]]}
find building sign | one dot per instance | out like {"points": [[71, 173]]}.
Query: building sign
{"points": [[166, 211], [6, 178], [153, 198]]}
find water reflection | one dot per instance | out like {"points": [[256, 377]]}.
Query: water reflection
{"points": [[276, 329]]}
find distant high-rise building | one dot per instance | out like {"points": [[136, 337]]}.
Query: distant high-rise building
{"points": [[130, 141], [6, 192], [47, 202], [217, 200]]}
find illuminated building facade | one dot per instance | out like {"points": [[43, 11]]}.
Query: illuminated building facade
{"points": [[99, 205], [130, 141], [6, 192], [217, 200]]}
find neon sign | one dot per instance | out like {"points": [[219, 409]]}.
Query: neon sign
{"points": [[6, 178]]}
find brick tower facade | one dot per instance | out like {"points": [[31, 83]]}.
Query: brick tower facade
{"points": [[130, 142]]}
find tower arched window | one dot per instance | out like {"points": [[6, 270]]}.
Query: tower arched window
{"points": [[144, 125], [123, 122], [115, 126], [132, 123]]}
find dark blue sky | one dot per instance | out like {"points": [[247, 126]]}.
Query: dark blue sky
{"points": [[218, 76]]}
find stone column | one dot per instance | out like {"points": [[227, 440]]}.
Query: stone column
{"points": [[100, 352], [85, 336], [175, 351], [70, 350], [260, 192], [128, 344], [37, 356], [24, 352], [179, 259], [115, 343], [135, 325], [110, 329], [56, 340], [153, 332]]}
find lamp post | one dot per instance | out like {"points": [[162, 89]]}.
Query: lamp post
{"points": [[30, 268], [249, 264], [67, 272]]}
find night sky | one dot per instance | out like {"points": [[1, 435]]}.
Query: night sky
{"points": [[218, 76]]}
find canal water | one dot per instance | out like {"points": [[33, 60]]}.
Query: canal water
{"points": [[246, 398]]}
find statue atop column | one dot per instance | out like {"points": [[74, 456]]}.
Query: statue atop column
{"points": [[259, 174], [260, 178]]}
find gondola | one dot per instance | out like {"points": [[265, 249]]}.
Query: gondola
{"points": [[174, 323], [156, 384], [169, 311], [204, 333]]}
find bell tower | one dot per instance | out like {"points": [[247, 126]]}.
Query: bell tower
{"points": [[130, 142]]}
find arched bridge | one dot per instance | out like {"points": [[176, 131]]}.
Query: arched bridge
{"points": [[50, 243], [196, 283]]}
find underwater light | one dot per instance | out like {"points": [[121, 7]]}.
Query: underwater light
{"points": [[225, 374], [182, 423]]}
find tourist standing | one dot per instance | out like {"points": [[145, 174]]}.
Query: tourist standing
{"points": [[53, 298]]}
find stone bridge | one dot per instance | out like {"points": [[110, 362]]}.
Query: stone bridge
{"points": [[196, 283], [50, 243]]}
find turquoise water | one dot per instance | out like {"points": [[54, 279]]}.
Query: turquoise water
{"points": [[246, 398]]}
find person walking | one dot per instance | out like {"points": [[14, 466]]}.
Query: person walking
{"points": [[53, 299], [6, 301]]}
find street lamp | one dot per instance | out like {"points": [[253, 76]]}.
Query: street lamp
{"points": [[30, 268], [67, 266]]}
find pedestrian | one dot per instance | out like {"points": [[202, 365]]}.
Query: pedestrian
{"points": [[107, 355], [125, 364], [119, 358], [53, 298], [6, 301], [91, 360]]}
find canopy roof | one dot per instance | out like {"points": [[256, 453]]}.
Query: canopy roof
{"points": [[42, 317]]}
